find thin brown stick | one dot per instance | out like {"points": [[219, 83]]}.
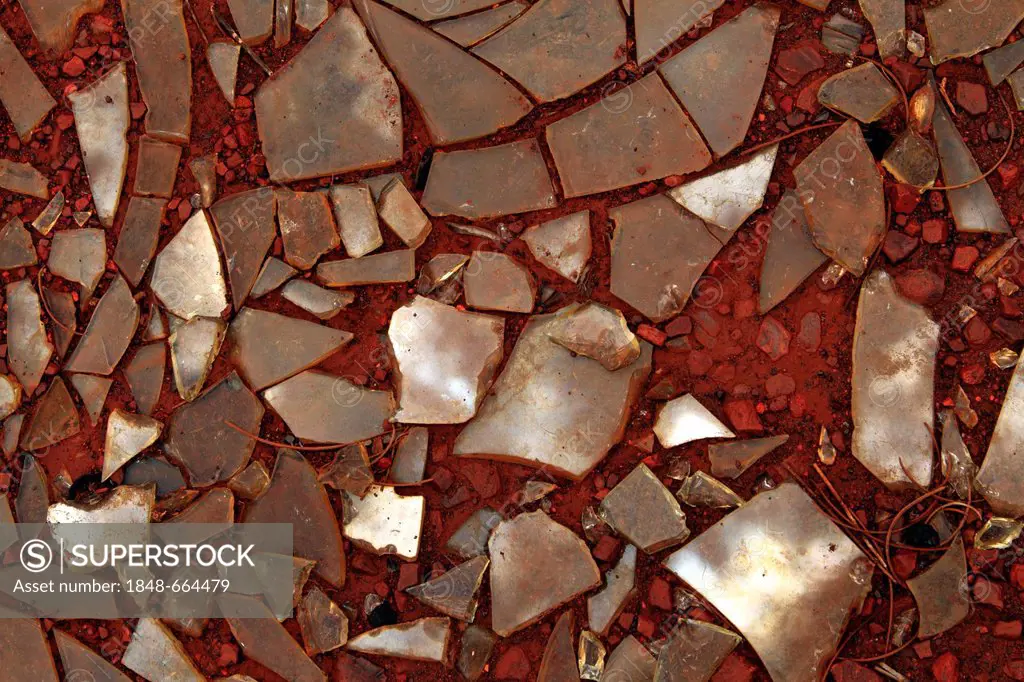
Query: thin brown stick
{"points": [[787, 136], [46, 306], [303, 448]]}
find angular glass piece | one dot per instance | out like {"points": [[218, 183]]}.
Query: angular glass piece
{"points": [[444, 268], [33, 499], [199, 438], [295, 496], [187, 275], [591, 657], [399, 211], [80, 660], [54, 25], [123, 505], [110, 330], [888, 22], [963, 29], [204, 170], [470, 539], [470, 30], [411, 456], [45, 221], [912, 160], [693, 652], [596, 149], [684, 420], [269, 348], [474, 183], [222, 56], [265, 641], [24, 97], [349, 470], [283, 10], [459, 96], [10, 396], [536, 566], [307, 227], [701, 490], [445, 360], [55, 418], [194, 346], [601, 333], [559, 661], [1004, 358], [998, 533], [474, 652], [215, 509], [273, 274], [245, 225], [642, 509], [659, 252], [25, 651], [727, 198], [722, 94], [1000, 479], [630, 661], [251, 482], [391, 267], [494, 281], [562, 244], [145, 376], [79, 256], [974, 208], [326, 408], [940, 593], [604, 606], [62, 306], [254, 19], [454, 593], [356, 216], [157, 167], [333, 108], [101, 119], [551, 408], [659, 23], [385, 522], [556, 49], [841, 190], [28, 350], [317, 301], [16, 248], [862, 92], [783, 574], [1001, 62], [730, 460], [127, 435], [309, 14], [137, 241], [425, 639], [323, 624], [957, 463], [23, 179], [894, 349]]}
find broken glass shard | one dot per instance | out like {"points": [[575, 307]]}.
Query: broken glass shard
{"points": [[194, 346], [659, 23], [536, 566], [385, 522], [333, 108], [562, 244], [605, 606], [24, 97], [888, 23], [391, 267], [323, 624], [101, 119], [82, 661], [145, 376], [999, 478], [16, 248], [556, 49], [296, 497], [222, 56], [630, 661], [642, 509], [474, 28], [245, 225], [137, 241], [599, 332], [317, 301], [722, 94], [251, 482], [475, 651], [109, 332], [549, 408], [79, 256], [127, 435], [940, 592], [453, 593], [659, 252], [494, 281], [998, 533], [445, 360], [701, 490], [425, 639], [559, 661], [843, 200], [684, 420], [862, 92], [473, 183], [963, 29], [273, 274], [28, 350], [460, 97], [730, 460], [912, 160], [693, 652], [1001, 62], [894, 349], [781, 572], [326, 408], [307, 227], [727, 198], [187, 275], [597, 149], [356, 216], [23, 179], [156, 168], [268, 348]]}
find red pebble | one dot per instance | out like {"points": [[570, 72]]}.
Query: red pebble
{"points": [[946, 668], [73, 67], [964, 258], [652, 334]]}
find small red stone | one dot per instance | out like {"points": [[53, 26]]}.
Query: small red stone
{"points": [[513, 665], [660, 594], [972, 374], [897, 246], [73, 67], [904, 198], [679, 326], [977, 332], [921, 286], [1007, 629], [964, 258], [742, 414], [1009, 173], [1014, 670], [699, 363], [1017, 576], [935, 231], [848, 671], [606, 548], [772, 338], [946, 668], [795, 63], [652, 334], [904, 563], [971, 97]]}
